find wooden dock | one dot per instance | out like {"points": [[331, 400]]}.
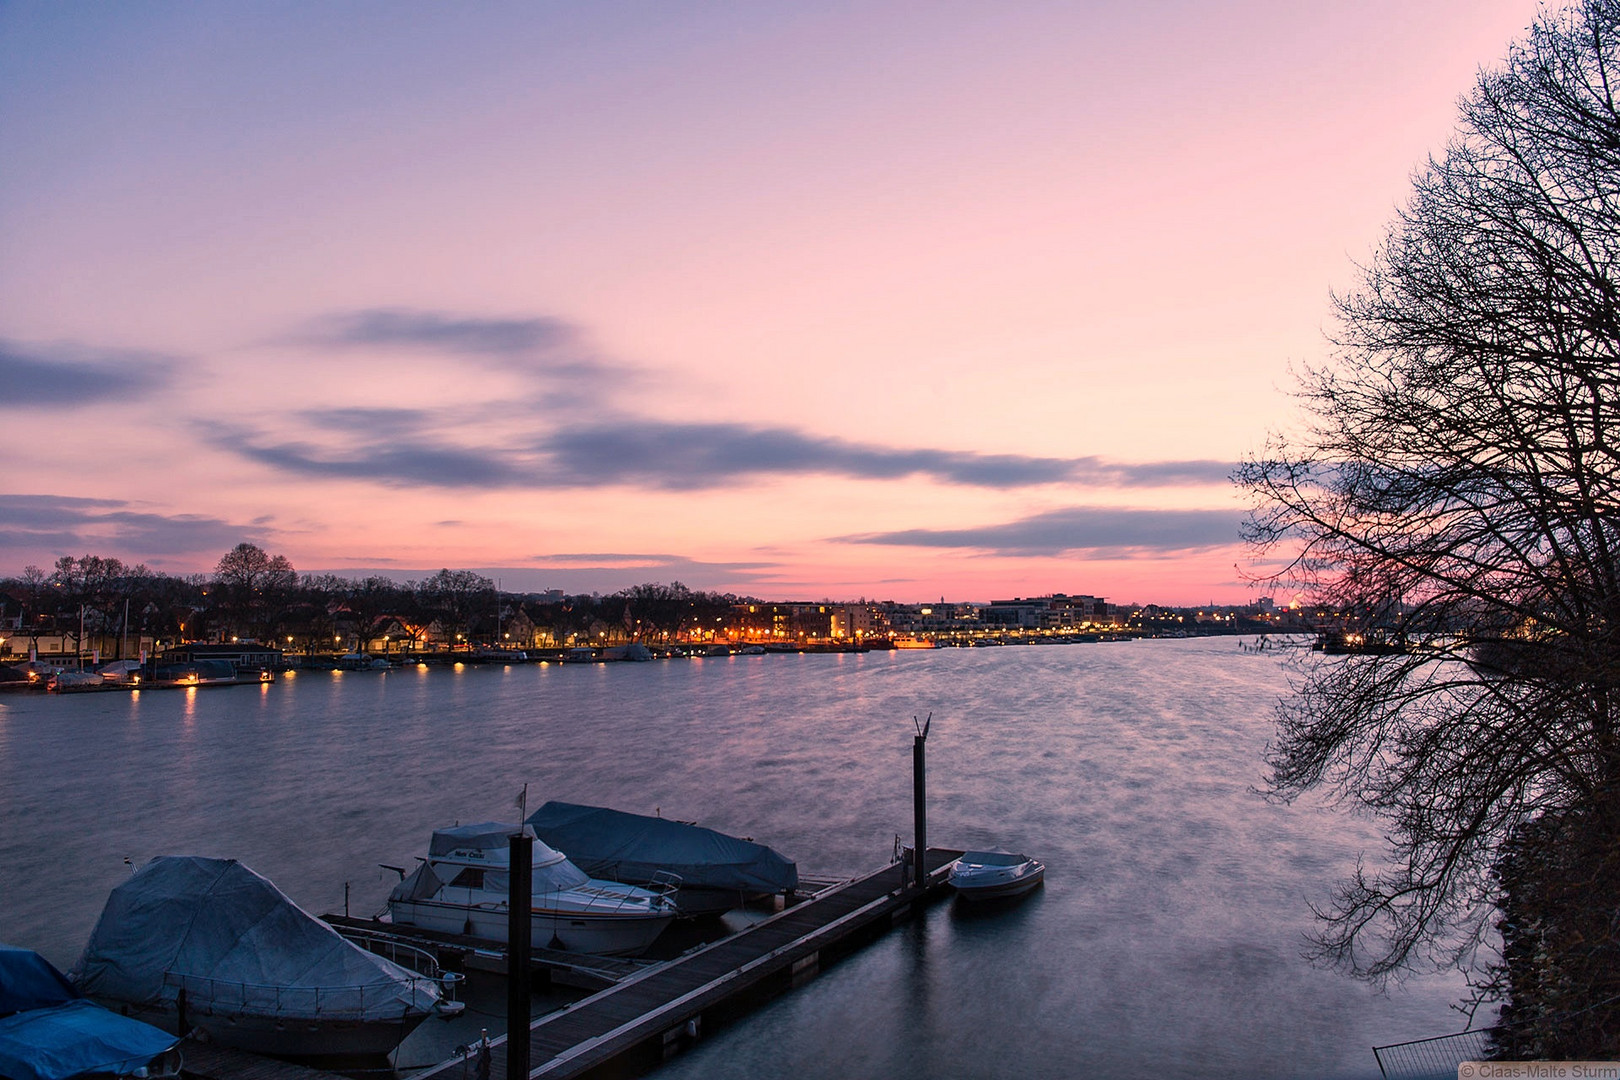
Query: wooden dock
{"points": [[640, 1020]]}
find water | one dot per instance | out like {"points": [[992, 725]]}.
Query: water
{"points": [[1167, 940]]}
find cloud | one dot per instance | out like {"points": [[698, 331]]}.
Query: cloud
{"points": [[394, 466], [397, 447], [650, 453], [65, 525], [438, 332], [603, 572], [71, 377], [1115, 532]]}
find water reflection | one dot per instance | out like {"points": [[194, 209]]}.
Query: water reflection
{"points": [[1167, 936]]}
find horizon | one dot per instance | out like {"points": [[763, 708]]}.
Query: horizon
{"points": [[766, 300]]}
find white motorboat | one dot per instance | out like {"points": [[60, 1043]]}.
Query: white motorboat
{"points": [[992, 875], [463, 884]]}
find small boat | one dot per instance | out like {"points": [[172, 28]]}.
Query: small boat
{"points": [[48, 1031], [462, 887], [716, 872], [992, 875], [192, 941]]}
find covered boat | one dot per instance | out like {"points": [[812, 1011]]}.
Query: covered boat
{"points": [[717, 872], [208, 942], [993, 875], [464, 884], [49, 1032]]}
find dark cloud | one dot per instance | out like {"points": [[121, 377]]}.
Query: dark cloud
{"points": [[390, 465], [439, 332], [108, 526], [672, 455], [680, 456], [393, 446], [65, 377], [1111, 531], [606, 574]]}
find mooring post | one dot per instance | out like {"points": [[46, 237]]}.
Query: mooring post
{"points": [[518, 930], [919, 800]]}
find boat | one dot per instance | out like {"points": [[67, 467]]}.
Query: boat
{"points": [[48, 1031], [67, 682], [716, 872], [635, 651], [190, 941], [462, 887], [994, 875]]}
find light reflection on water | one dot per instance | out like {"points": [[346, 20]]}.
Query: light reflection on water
{"points": [[1167, 938]]}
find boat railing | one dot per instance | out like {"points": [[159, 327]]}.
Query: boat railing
{"points": [[374, 1000], [666, 883], [622, 896]]}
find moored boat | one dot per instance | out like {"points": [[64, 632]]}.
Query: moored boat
{"points": [[193, 941], [716, 872], [48, 1031], [993, 875], [463, 885]]}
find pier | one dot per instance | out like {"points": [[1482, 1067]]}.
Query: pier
{"points": [[648, 1015]]}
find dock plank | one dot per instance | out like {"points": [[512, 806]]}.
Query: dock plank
{"points": [[646, 1005]]}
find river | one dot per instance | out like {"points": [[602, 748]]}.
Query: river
{"points": [[1167, 940]]}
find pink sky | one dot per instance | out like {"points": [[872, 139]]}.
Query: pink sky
{"points": [[803, 301]]}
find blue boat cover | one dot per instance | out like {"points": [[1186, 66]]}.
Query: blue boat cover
{"points": [[48, 1032], [29, 981], [74, 1039], [633, 847]]}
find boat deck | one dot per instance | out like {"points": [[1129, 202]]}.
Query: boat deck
{"points": [[457, 950], [652, 1013]]}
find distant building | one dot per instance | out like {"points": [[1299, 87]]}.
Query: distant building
{"points": [[1059, 611]]}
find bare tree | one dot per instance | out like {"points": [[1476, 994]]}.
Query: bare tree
{"points": [[254, 584], [1459, 483]]}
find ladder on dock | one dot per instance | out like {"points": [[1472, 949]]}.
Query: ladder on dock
{"points": [[660, 1007]]}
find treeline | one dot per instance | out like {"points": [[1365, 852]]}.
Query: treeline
{"points": [[255, 595]]}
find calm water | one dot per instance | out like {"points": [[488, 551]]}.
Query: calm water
{"points": [[1166, 941]]}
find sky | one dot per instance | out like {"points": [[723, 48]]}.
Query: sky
{"points": [[795, 300]]}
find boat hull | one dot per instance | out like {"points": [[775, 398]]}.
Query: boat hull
{"points": [[283, 1036], [1002, 890], [602, 933], [997, 877]]}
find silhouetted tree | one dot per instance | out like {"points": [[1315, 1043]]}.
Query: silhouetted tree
{"points": [[456, 597], [1460, 484], [252, 587]]}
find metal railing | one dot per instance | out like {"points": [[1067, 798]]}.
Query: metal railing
{"points": [[353, 1001], [1433, 1059]]}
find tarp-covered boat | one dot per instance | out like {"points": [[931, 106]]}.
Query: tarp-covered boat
{"points": [[246, 964], [49, 1032], [717, 872]]}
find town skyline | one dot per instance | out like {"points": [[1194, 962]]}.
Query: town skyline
{"points": [[849, 302]]}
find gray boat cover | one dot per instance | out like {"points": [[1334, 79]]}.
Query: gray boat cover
{"points": [[633, 847], [238, 946]]}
